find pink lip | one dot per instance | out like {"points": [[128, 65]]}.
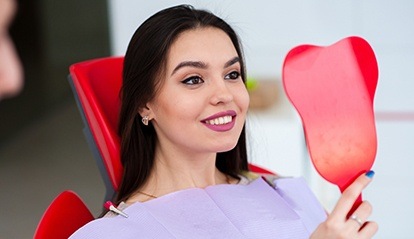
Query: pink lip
{"points": [[223, 127]]}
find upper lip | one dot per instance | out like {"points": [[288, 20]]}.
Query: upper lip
{"points": [[231, 113]]}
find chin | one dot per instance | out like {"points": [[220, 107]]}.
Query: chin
{"points": [[226, 147]]}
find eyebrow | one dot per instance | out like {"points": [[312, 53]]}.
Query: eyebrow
{"points": [[202, 65], [233, 61]]}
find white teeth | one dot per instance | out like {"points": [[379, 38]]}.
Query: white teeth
{"points": [[220, 120]]}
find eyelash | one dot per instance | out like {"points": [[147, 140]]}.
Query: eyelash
{"points": [[234, 75], [192, 78]]}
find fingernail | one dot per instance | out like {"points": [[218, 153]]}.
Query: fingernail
{"points": [[370, 174]]}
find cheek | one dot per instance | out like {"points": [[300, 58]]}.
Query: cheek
{"points": [[243, 99], [175, 106]]}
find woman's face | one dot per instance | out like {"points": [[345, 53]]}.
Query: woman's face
{"points": [[202, 103]]}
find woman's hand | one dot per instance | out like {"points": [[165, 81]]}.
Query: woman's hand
{"points": [[338, 225]]}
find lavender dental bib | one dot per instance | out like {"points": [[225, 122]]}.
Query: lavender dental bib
{"points": [[255, 210]]}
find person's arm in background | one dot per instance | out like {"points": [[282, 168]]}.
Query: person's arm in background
{"points": [[11, 75]]}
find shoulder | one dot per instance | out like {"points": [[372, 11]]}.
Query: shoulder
{"points": [[117, 227], [297, 193], [98, 228]]}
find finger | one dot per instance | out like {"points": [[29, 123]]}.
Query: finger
{"points": [[358, 218], [369, 230], [350, 194]]}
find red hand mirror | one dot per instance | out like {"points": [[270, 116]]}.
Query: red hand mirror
{"points": [[333, 88]]}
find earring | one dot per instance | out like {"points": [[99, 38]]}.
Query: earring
{"points": [[145, 120]]}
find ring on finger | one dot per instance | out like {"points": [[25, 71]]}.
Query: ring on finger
{"points": [[357, 219]]}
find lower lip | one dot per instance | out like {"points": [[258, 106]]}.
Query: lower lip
{"points": [[222, 127]]}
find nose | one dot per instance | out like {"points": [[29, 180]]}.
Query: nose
{"points": [[221, 93]]}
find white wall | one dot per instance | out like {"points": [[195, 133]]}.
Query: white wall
{"points": [[268, 30]]}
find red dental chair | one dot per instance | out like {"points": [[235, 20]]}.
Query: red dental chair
{"points": [[95, 85], [66, 214]]}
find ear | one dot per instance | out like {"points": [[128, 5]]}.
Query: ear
{"points": [[146, 111]]}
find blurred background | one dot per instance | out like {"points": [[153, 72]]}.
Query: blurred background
{"points": [[43, 150]]}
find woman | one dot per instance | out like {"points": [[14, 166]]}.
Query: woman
{"points": [[184, 105]]}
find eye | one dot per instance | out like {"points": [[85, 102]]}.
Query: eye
{"points": [[234, 75], [193, 80]]}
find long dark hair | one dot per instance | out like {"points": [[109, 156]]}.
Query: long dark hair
{"points": [[144, 60]]}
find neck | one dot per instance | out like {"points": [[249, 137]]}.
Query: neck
{"points": [[174, 172], [187, 171]]}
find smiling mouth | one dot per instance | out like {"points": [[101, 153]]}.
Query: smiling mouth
{"points": [[220, 120]]}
